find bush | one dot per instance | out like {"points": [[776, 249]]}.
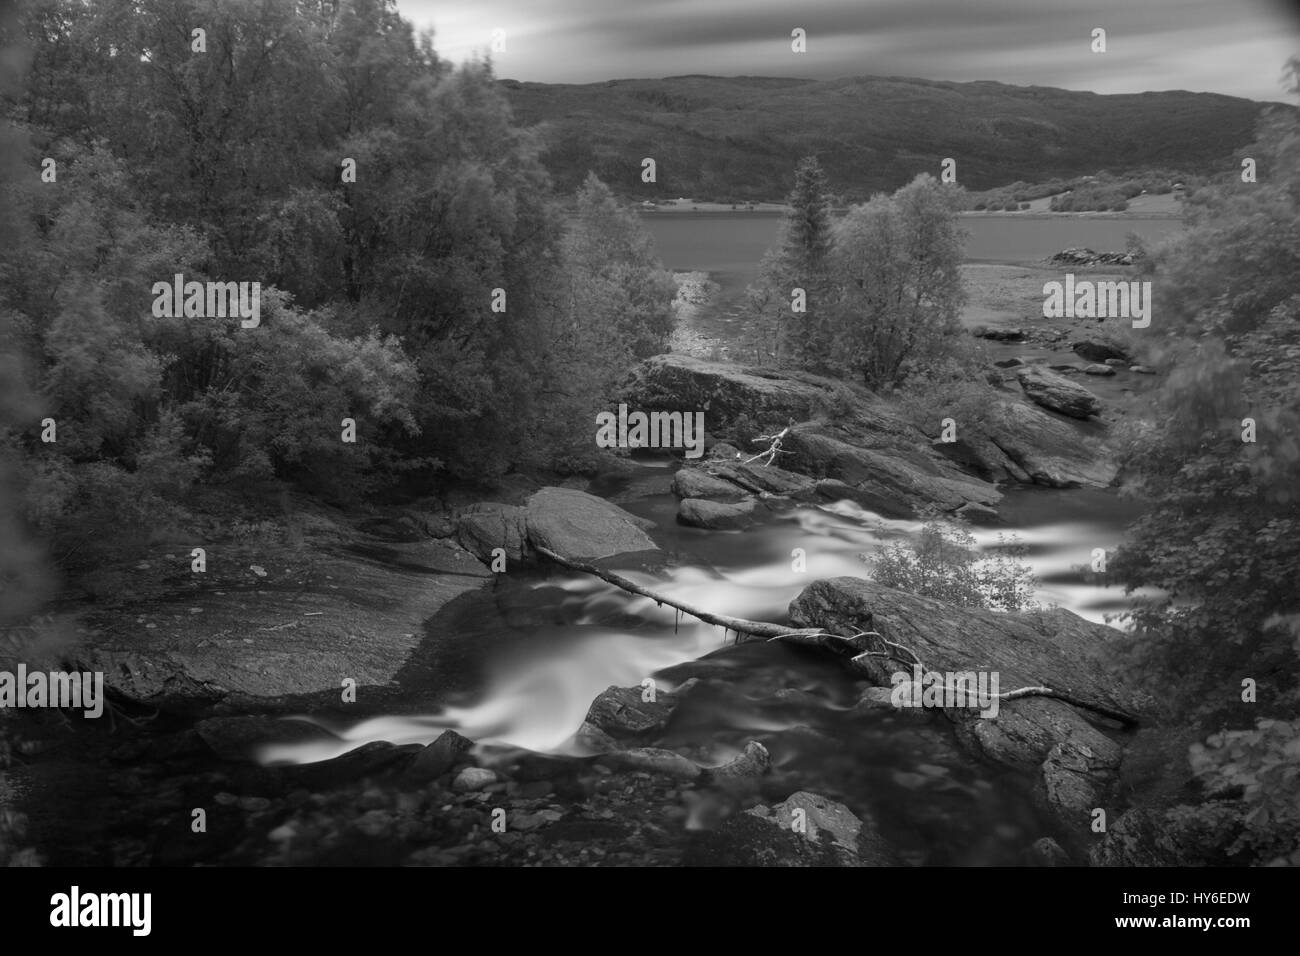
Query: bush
{"points": [[944, 563]]}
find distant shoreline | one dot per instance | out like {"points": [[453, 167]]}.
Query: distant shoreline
{"points": [[770, 210]]}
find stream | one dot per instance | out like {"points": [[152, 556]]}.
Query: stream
{"points": [[559, 639]]}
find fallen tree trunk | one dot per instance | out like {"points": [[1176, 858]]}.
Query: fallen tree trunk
{"points": [[818, 637], [759, 629]]}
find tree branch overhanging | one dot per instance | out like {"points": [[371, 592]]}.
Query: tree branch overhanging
{"points": [[818, 637]]}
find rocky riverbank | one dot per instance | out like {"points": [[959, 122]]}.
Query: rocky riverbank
{"points": [[346, 618]]}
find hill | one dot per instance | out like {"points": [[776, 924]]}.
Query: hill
{"points": [[738, 138]]}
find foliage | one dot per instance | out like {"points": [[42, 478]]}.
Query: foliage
{"points": [[376, 291], [1261, 768], [945, 563], [897, 262]]}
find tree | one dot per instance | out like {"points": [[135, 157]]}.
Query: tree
{"points": [[799, 261], [897, 264], [610, 257]]}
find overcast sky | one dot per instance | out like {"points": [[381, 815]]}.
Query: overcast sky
{"points": [[1222, 46]]}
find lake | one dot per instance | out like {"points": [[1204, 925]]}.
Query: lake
{"points": [[733, 243]]}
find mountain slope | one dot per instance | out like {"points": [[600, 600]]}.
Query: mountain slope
{"points": [[740, 137]]}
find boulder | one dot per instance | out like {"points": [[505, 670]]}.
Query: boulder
{"points": [[1058, 394], [699, 483], [715, 515], [621, 712], [827, 834], [1023, 439], [577, 525], [482, 528], [765, 479], [1098, 350], [884, 462], [1098, 370], [1074, 765], [726, 392], [439, 757], [894, 483]]}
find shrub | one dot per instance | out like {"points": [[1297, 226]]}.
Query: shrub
{"points": [[944, 563]]}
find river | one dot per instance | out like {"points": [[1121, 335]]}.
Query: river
{"points": [[551, 641]]}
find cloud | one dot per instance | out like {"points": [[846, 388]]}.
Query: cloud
{"points": [[1153, 44]]}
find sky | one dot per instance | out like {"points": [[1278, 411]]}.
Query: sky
{"points": [[1221, 46]]}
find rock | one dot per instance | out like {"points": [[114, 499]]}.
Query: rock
{"points": [[724, 452], [473, 778], [376, 759], [885, 459], [437, 758], [1098, 350], [531, 821], [765, 479], [1033, 446], [577, 525], [977, 513], [1075, 764], [436, 525], [715, 515], [832, 823], [742, 772], [1009, 363], [698, 483], [892, 484], [592, 740], [1142, 370], [1098, 370], [1058, 394], [357, 611], [727, 392], [482, 528], [239, 738], [1086, 257], [654, 760], [1151, 836], [1046, 852], [620, 712], [1068, 369], [1115, 363], [766, 836]]}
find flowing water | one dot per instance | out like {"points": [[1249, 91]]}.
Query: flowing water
{"points": [[547, 642], [568, 636]]}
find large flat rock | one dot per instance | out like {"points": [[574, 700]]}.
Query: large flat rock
{"points": [[308, 621], [1074, 763]]}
